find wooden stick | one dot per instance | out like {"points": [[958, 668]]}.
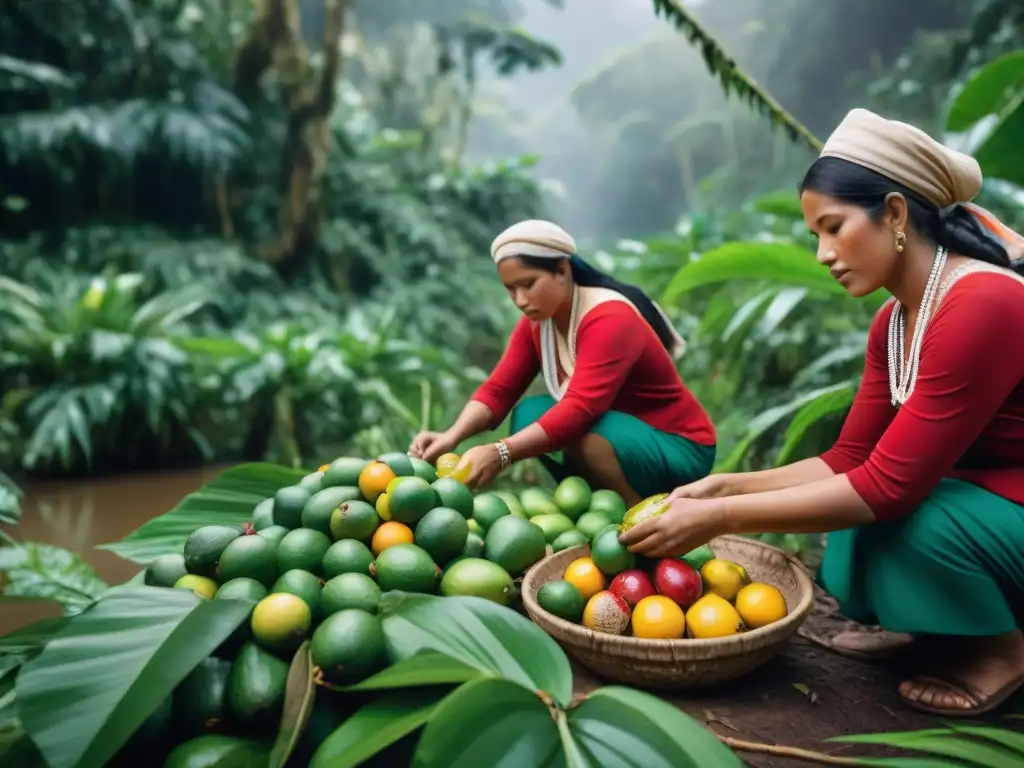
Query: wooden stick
{"points": [[794, 753]]}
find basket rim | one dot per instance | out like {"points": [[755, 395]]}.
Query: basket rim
{"points": [[783, 627]]}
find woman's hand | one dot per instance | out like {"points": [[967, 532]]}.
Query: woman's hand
{"points": [[683, 527], [710, 487], [484, 464], [429, 446]]}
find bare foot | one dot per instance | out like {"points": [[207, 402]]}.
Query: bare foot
{"points": [[988, 666]]}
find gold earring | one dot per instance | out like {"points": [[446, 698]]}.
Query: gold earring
{"points": [[901, 242]]}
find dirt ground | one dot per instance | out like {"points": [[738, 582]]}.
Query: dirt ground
{"points": [[808, 694]]}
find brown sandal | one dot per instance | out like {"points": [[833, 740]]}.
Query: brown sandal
{"points": [[981, 702]]}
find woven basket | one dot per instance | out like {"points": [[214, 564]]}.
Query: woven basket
{"points": [[675, 664]]}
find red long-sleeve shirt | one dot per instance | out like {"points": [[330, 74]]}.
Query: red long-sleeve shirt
{"points": [[965, 418], [621, 365]]}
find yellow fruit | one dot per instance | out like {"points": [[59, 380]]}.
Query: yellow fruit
{"points": [[643, 511], [446, 463], [760, 605], [200, 585], [462, 475], [658, 617], [280, 620], [723, 578], [383, 506], [374, 479], [585, 576], [389, 534], [712, 616], [323, 467], [606, 612]]}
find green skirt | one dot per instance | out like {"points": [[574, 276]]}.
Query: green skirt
{"points": [[652, 461], [953, 567]]}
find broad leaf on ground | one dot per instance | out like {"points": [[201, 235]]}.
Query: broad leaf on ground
{"points": [[625, 727], [980, 746], [125, 655], [480, 634], [228, 499], [494, 723], [425, 668], [378, 725]]}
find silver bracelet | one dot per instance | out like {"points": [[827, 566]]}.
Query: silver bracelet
{"points": [[504, 453]]}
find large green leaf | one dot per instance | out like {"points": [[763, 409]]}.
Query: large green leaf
{"points": [[625, 727], [377, 726], [45, 572], [230, 498], [425, 668], [481, 634], [994, 89], [108, 669], [828, 403], [494, 723], [300, 693], [976, 746]]}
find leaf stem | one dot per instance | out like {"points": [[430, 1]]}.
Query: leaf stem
{"points": [[793, 753], [573, 757]]}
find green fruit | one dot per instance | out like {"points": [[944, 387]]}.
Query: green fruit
{"points": [[573, 496], [253, 557], [354, 520], [610, 555], [454, 495], [568, 540], [488, 507], [475, 527], [610, 503], [203, 586], [343, 471], [263, 514], [405, 567], [514, 543], [349, 646], [274, 533], [650, 507], [350, 591], [515, 507], [242, 588], [474, 545], [320, 508], [204, 546], [216, 750], [538, 501], [256, 685], [302, 584], [288, 505], [400, 463], [553, 525], [313, 482], [303, 549], [475, 577], [411, 500], [165, 570], [200, 700], [442, 533], [280, 621], [590, 523], [423, 469], [562, 599], [697, 557], [347, 556]]}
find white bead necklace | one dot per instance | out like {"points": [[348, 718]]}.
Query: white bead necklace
{"points": [[902, 378], [549, 348]]}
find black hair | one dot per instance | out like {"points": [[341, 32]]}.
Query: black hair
{"points": [[954, 227], [589, 276]]}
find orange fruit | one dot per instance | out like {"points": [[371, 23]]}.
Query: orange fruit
{"points": [[374, 479], [383, 506], [760, 604], [585, 576], [324, 467], [389, 534], [446, 463], [658, 617], [712, 616], [606, 612]]}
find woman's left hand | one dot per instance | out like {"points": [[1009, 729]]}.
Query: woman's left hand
{"points": [[484, 465], [683, 527]]}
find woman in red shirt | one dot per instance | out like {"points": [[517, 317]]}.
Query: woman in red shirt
{"points": [[616, 406], [923, 493]]}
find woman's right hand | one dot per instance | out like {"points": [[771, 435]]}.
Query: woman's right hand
{"points": [[710, 487], [429, 446]]}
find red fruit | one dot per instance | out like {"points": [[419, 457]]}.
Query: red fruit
{"points": [[632, 586], [678, 581]]}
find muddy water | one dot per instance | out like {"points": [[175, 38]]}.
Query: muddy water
{"points": [[80, 515]]}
